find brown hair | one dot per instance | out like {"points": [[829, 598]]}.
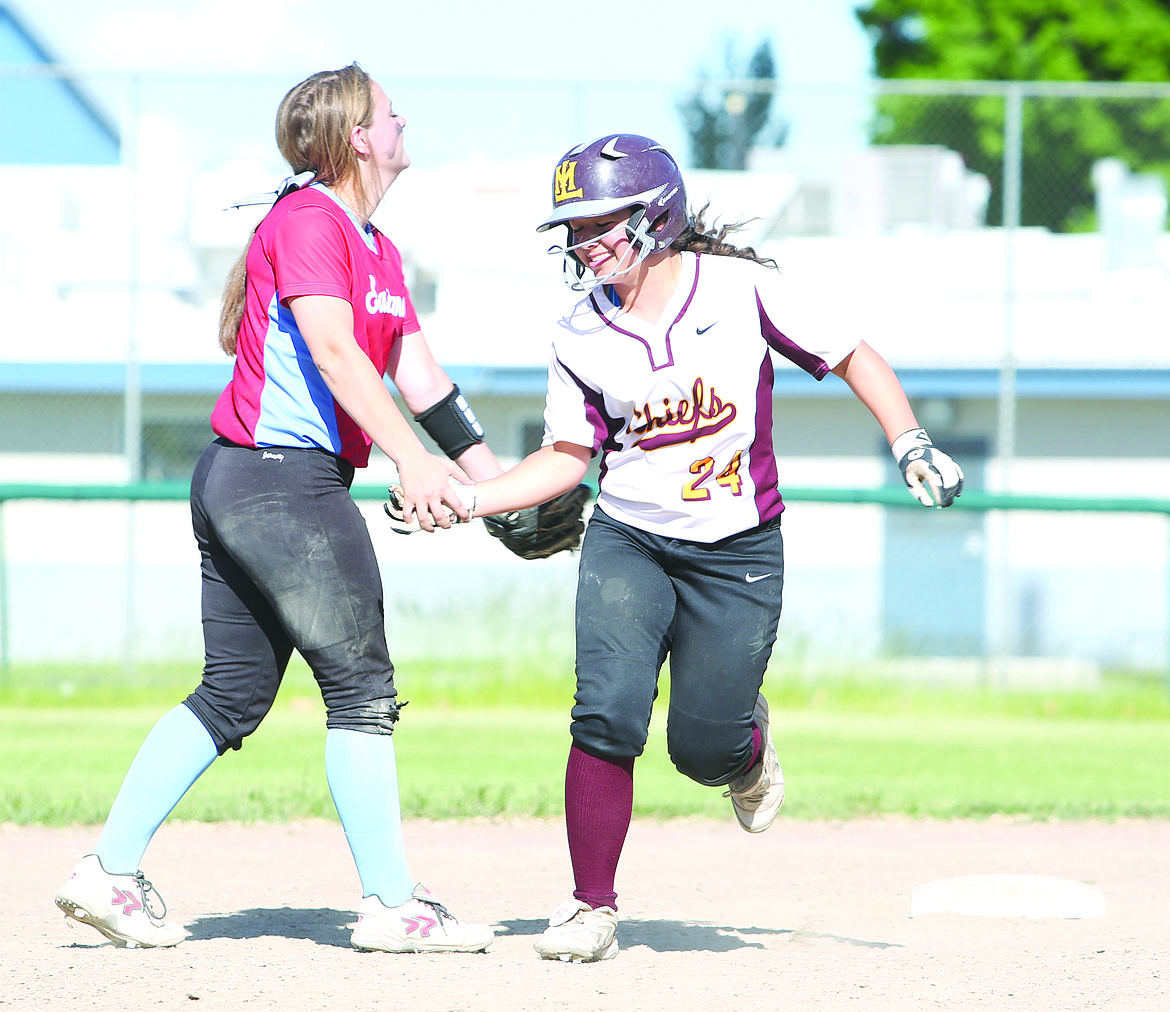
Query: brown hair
{"points": [[313, 125], [698, 238]]}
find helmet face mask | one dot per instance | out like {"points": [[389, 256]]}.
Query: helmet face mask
{"points": [[618, 172]]}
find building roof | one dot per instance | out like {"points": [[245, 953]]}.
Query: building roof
{"points": [[48, 117]]}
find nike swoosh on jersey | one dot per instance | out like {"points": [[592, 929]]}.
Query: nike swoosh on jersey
{"points": [[756, 579], [703, 330]]}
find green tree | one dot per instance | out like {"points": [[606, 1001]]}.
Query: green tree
{"points": [[1028, 40], [723, 123]]}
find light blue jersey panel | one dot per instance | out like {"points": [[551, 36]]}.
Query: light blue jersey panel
{"points": [[296, 407]]}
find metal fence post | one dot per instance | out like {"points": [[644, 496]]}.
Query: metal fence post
{"points": [[132, 417], [1012, 176], [3, 599], [1001, 606]]}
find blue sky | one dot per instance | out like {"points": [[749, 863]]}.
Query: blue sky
{"points": [[516, 79]]}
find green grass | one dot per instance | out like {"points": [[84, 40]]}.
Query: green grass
{"points": [[477, 682], [491, 741]]}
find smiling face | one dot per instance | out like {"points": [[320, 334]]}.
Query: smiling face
{"points": [[602, 244]]}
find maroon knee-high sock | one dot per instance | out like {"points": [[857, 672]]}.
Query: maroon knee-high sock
{"points": [[599, 802], [757, 745]]}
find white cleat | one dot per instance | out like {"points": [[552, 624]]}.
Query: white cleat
{"points": [[421, 924], [758, 794], [119, 906], [578, 933]]}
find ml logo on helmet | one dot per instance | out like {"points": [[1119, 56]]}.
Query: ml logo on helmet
{"points": [[564, 182]]}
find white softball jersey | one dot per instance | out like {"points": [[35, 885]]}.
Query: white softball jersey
{"points": [[681, 409]]}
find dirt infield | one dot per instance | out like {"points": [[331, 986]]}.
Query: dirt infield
{"points": [[806, 916]]}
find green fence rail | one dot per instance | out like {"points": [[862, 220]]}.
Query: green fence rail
{"points": [[889, 496]]}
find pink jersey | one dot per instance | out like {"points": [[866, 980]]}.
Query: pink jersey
{"points": [[309, 244]]}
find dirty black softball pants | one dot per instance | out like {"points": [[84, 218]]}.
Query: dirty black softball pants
{"points": [[287, 563], [713, 608]]}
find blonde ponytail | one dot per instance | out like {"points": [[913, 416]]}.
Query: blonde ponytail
{"points": [[231, 312], [313, 125]]}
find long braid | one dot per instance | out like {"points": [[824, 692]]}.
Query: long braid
{"points": [[697, 237]]}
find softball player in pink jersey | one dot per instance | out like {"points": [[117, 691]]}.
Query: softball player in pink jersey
{"points": [[665, 369], [315, 313]]}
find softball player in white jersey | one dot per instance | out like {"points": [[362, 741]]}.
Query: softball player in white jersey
{"points": [[665, 369]]}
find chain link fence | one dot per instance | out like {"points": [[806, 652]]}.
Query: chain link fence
{"points": [[1004, 244]]}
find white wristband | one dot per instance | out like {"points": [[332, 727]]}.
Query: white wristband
{"points": [[907, 442]]}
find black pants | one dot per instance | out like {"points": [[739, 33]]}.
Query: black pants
{"points": [[713, 608], [287, 564]]}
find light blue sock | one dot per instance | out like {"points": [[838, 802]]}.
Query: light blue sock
{"points": [[173, 756], [363, 779]]}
